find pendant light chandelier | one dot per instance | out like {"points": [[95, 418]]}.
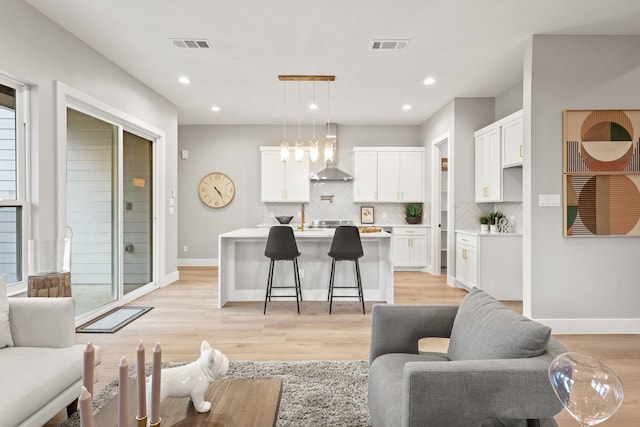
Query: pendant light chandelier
{"points": [[299, 150], [284, 145], [328, 145], [313, 143]]}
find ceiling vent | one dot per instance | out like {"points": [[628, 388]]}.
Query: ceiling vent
{"points": [[191, 43], [399, 44]]}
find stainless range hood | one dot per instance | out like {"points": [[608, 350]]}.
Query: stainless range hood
{"points": [[331, 172]]}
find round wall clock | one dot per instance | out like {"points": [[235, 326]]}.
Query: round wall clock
{"points": [[216, 190]]}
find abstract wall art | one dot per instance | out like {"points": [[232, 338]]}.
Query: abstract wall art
{"points": [[601, 172]]}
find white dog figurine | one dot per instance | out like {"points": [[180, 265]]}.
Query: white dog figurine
{"points": [[192, 380]]}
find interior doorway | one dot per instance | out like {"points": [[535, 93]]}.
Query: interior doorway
{"points": [[441, 212]]}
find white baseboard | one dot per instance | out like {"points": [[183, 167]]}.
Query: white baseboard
{"points": [[592, 326], [170, 278], [192, 262]]}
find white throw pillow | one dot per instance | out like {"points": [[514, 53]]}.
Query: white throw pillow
{"points": [[5, 329]]}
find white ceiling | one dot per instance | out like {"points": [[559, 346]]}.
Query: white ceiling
{"points": [[473, 48]]}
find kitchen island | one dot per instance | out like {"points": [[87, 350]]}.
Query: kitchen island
{"points": [[243, 268]]}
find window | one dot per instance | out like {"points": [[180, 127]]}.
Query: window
{"points": [[12, 181]]}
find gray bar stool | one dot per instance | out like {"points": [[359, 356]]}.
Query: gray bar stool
{"points": [[281, 246], [346, 246]]}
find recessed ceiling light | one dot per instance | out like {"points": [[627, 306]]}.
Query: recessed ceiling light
{"points": [[313, 106], [215, 108], [429, 81], [184, 80], [406, 107]]}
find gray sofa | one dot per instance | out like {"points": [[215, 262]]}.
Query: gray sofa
{"points": [[494, 373], [41, 366]]}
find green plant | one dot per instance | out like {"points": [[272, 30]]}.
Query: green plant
{"points": [[494, 217], [484, 220], [413, 210]]}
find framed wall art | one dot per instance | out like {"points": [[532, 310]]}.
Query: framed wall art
{"points": [[601, 172], [366, 214]]}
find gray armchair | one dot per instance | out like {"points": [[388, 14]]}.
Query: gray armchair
{"points": [[494, 373]]}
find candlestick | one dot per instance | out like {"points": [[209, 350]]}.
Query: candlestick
{"points": [[123, 389], [85, 406], [141, 379], [88, 367], [155, 386]]}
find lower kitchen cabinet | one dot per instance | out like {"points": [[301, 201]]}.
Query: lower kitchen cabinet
{"points": [[410, 246], [492, 263], [467, 260]]}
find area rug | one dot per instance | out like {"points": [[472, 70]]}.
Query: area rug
{"points": [[314, 393], [115, 319]]}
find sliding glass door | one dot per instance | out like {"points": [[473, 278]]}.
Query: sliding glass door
{"points": [[109, 210], [138, 211]]}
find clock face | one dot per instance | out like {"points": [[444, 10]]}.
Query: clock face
{"points": [[216, 190]]}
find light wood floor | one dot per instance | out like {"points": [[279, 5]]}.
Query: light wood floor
{"points": [[185, 313]]}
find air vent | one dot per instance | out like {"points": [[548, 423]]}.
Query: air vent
{"points": [[399, 44], [191, 43]]}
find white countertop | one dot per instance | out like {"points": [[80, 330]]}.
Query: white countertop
{"points": [[377, 225], [486, 233], [262, 232]]}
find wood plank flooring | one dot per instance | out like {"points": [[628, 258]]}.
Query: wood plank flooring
{"points": [[185, 313]]}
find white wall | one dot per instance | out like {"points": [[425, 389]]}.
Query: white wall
{"points": [[37, 51], [509, 101], [235, 151], [575, 284]]}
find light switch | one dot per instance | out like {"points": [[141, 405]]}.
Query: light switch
{"points": [[548, 200], [184, 154]]}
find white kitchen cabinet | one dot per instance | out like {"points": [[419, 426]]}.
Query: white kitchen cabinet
{"points": [[365, 173], [283, 181], [488, 166], [497, 181], [512, 136], [467, 260], [492, 263], [410, 246], [388, 174]]}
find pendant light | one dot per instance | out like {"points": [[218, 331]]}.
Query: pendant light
{"points": [[284, 145], [313, 143], [299, 150], [328, 145]]}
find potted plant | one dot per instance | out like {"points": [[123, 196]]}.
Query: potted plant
{"points": [[484, 223], [494, 217], [413, 213]]}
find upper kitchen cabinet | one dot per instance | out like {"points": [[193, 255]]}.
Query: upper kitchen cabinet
{"points": [[388, 174], [286, 182], [512, 135], [495, 180]]}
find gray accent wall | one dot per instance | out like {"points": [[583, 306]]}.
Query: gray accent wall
{"points": [[37, 51], [575, 284], [235, 150]]}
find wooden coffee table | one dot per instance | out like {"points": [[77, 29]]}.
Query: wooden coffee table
{"points": [[234, 403]]}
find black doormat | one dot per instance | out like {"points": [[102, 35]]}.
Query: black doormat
{"points": [[115, 319]]}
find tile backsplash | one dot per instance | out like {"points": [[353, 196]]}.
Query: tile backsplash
{"points": [[468, 214], [334, 200]]}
